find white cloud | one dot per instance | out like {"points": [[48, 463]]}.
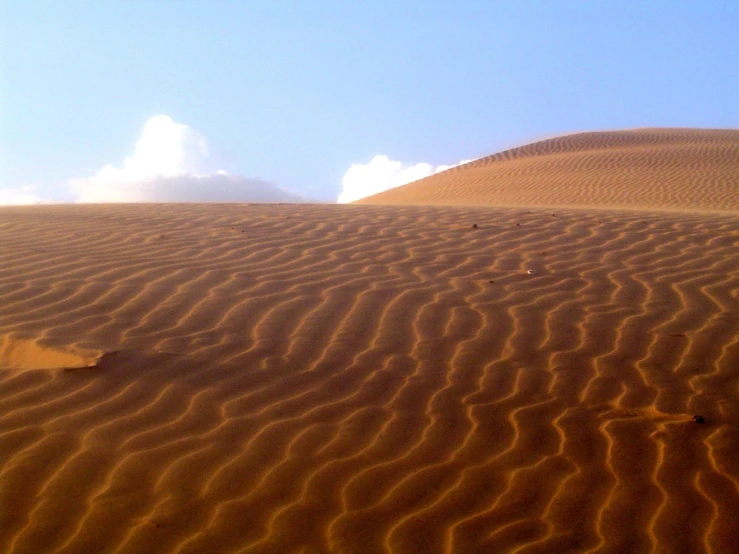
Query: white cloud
{"points": [[220, 187], [172, 162], [381, 174], [22, 196]]}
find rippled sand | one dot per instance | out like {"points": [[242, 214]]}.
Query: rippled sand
{"points": [[682, 169], [308, 378]]}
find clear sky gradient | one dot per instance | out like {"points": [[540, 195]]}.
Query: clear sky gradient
{"points": [[298, 92]]}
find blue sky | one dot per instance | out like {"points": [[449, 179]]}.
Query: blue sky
{"points": [[297, 93]]}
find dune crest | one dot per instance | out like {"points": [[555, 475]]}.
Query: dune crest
{"points": [[679, 169], [31, 354]]}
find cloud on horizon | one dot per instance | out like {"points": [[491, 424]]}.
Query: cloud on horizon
{"points": [[172, 162], [22, 196], [381, 174]]}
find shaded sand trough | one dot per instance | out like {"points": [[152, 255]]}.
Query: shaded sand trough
{"points": [[275, 379]]}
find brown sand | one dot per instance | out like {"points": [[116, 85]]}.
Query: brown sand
{"points": [[683, 169], [351, 379]]}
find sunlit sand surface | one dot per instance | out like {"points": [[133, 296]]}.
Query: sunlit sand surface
{"points": [[682, 169], [368, 379]]}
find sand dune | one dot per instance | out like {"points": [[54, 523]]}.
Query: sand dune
{"points": [[364, 379], [682, 169]]}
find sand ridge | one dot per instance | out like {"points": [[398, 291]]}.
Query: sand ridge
{"points": [[679, 169], [307, 378], [29, 354]]}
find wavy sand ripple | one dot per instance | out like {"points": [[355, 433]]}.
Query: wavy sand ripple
{"points": [[359, 379], [680, 169]]}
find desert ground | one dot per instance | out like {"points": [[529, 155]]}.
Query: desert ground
{"points": [[511, 367], [647, 169]]}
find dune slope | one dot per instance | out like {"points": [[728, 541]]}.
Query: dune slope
{"points": [[364, 379], [681, 169]]}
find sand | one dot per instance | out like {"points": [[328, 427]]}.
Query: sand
{"points": [[368, 379], [667, 169]]}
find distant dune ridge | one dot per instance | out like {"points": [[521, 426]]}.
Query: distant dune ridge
{"points": [[683, 169], [232, 378]]}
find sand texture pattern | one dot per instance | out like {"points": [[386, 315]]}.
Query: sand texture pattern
{"points": [[680, 169], [367, 379]]}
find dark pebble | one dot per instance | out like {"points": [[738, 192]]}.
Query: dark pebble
{"points": [[699, 419], [475, 226]]}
